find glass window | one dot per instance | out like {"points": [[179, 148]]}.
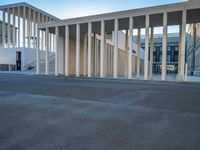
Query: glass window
{"points": [[176, 58], [176, 48], [160, 58], [154, 59], [169, 48], [168, 58]]}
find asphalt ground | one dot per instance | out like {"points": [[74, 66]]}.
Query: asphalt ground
{"points": [[58, 113]]}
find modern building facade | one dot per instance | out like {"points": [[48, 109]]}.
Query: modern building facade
{"points": [[19, 25], [75, 37]]}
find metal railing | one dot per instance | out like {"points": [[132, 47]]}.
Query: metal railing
{"points": [[194, 47], [197, 45], [172, 67], [33, 64]]}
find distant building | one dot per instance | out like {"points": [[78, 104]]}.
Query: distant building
{"points": [[172, 52]]}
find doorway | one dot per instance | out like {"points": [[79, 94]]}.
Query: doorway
{"points": [[18, 61]]}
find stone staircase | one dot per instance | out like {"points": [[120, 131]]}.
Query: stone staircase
{"points": [[32, 66]]}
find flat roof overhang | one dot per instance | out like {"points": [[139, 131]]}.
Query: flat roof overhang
{"points": [[174, 17], [15, 5]]}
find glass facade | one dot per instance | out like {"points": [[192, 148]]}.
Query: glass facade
{"points": [[172, 53]]}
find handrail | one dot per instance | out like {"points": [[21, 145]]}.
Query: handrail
{"points": [[34, 62], [194, 48], [167, 62], [197, 44]]}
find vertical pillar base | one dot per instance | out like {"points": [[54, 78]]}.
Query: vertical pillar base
{"points": [[180, 78]]}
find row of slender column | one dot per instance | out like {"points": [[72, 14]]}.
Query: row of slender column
{"points": [[147, 64], [6, 26], [181, 64], [9, 27], [89, 72]]}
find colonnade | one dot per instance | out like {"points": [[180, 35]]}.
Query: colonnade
{"points": [[147, 55], [20, 25]]}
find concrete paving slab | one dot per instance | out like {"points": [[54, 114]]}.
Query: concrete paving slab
{"points": [[78, 114]]}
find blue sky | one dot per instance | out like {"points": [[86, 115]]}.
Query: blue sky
{"points": [[75, 8]]}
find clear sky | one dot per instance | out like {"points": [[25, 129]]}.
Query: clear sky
{"points": [[64, 9]]}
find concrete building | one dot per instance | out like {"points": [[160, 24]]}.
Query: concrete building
{"points": [[18, 30], [75, 52]]}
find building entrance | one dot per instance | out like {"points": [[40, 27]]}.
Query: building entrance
{"points": [[18, 61]]}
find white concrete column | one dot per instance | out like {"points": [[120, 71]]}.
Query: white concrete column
{"points": [[24, 27], [3, 29], [34, 29], [146, 54], [85, 56], [130, 48], [108, 60], [38, 53], [179, 51], [126, 55], [53, 43], [102, 49], [78, 50], [47, 52], [66, 50], [38, 21], [115, 60], [94, 55], [8, 28], [89, 49], [105, 55], [56, 50], [29, 27], [42, 38], [164, 45], [97, 57], [182, 55], [13, 30], [151, 54], [50, 42], [19, 26], [138, 53]]}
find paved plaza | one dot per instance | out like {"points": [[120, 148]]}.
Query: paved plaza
{"points": [[58, 113]]}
